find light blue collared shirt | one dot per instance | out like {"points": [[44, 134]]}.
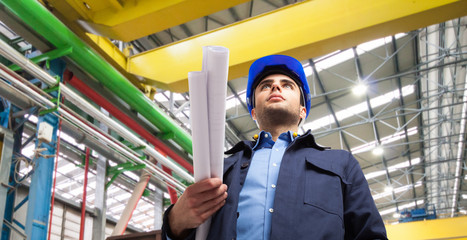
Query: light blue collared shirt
{"points": [[256, 203]]}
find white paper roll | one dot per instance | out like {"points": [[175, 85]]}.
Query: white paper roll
{"points": [[208, 90], [197, 82], [217, 67]]}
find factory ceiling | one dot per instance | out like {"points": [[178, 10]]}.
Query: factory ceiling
{"points": [[405, 124]]}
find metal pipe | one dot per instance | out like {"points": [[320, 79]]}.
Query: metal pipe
{"points": [[131, 205], [104, 138], [36, 71], [46, 24], [172, 192], [52, 203], [83, 204], [125, 119]]}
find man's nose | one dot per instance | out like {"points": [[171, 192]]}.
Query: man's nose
{"points": [[276, 87]]}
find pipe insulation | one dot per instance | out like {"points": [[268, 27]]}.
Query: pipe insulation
{"points": [[131, 205], [21, 100], [14, 56], [46, 24], [66, 114], [97, 98]]}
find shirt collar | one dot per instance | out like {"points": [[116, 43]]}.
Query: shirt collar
{"points": [[265, 139], [305, 140]]}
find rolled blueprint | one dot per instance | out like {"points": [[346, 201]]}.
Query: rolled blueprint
{"points": [[197, 82], [217, 67], [208, 90]]}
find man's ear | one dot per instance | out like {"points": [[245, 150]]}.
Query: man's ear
{"points": [[302, 112], [253, 114]]}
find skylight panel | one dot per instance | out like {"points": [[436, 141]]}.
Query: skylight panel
{"points": [[334, 60], [123, 196], [308, 70], [231, 103], [385, 140], [76, 191], [359, 108], [144, 207], [31, 118], [66, 195], [113, 189], [111, 201], [131, 175], [118, 208], [397, 190], [405, 164], [66, 168], [71, 140], [409, 205], [28, 151], [391, 169], [140, 217], [159, 97]]}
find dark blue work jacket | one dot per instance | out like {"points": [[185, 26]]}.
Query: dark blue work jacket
{"points": [[320, 194]]}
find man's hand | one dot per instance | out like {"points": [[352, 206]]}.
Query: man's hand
{"points": [[197, 203]]}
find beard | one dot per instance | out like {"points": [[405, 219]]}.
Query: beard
{"points": [[283, 116]]}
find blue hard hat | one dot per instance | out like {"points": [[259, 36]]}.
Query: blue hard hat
{"points": [[277, 64]]}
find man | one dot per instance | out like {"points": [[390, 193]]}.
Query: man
{"points": [[280, 186]]}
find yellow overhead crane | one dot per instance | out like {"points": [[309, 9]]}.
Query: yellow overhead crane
{"points": [[444, 228], [303, 30], [128, 20]]}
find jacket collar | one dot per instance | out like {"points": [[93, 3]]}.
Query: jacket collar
{"points": [[305, 140], [242, 145]]}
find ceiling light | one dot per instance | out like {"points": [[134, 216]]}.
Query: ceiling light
{"points": [[359, 89], [378, 151], [358, 108], [396, 215], [388, 189], [464, 196]]}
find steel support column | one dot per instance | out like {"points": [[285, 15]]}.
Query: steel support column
{"points": [[17, 125], [6, 153], [98, 224], [41, 184], [40, 193], [158, 208]]}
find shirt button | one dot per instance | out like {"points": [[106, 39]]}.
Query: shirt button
{"points": [[277, 150], [265, 135], [271, 210], [273, 185], [274, 164]]}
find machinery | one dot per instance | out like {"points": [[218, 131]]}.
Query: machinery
{"points": [[417, 214]]}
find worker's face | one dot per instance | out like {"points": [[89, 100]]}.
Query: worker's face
{"points": [[277, 97]]}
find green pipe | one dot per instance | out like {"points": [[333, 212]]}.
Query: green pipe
{"points": [[56, 53], [46, 24]]}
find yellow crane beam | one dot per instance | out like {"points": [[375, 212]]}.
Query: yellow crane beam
{"points": [[303, 30], [128, 20], [445, 228]]}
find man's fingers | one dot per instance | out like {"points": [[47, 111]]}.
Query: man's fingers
{"points": [[197, 203], [214, 209], [205, 185], [200, 198], [213, 203]]}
